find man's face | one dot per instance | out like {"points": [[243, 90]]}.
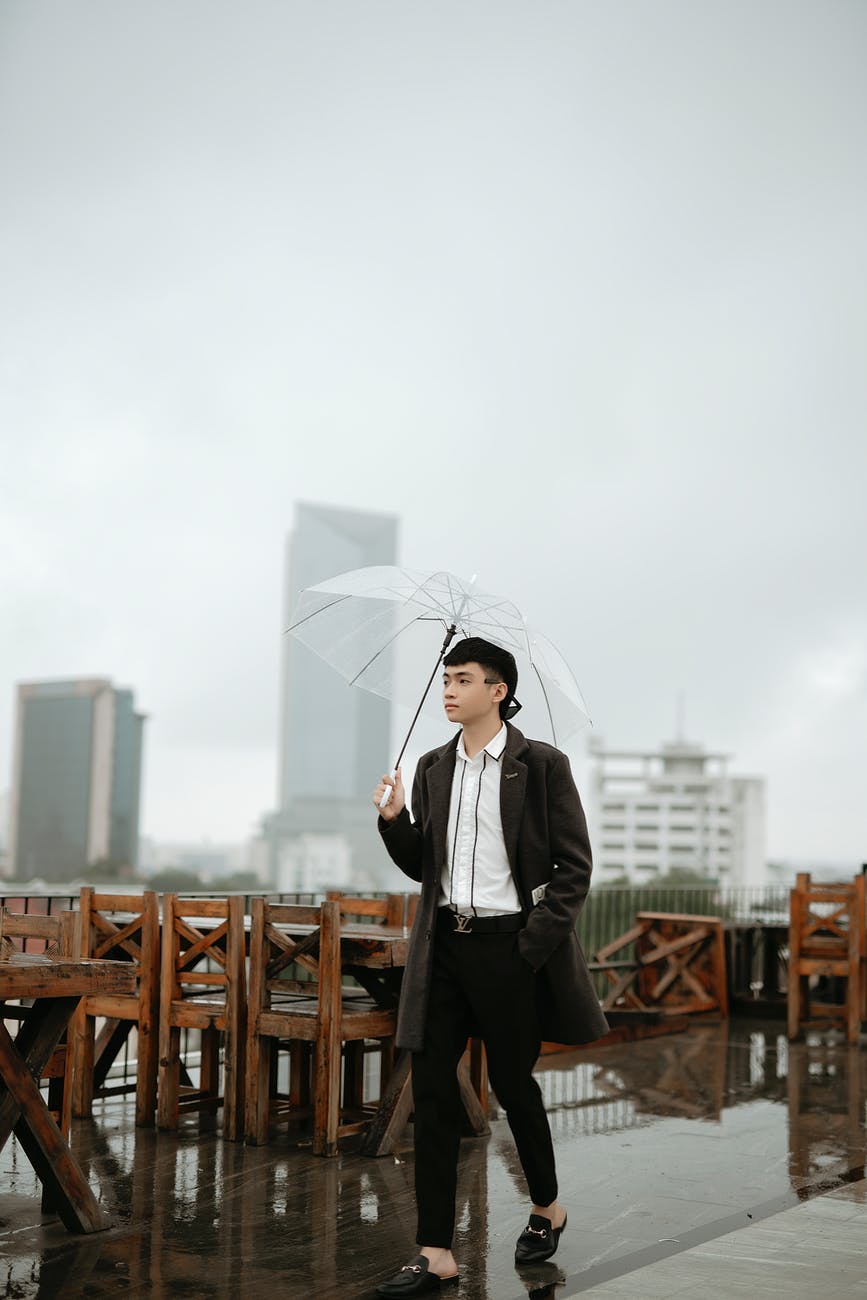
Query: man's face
{"points": [[467, 696]]}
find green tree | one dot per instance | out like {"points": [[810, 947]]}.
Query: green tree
{"points": [[176, 880]]}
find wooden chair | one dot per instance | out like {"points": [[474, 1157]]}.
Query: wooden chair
{"points": [[203, 988], [383, 986], [678, 968], [316, 1011], [55, 936], [119, 927], [826, 940]]}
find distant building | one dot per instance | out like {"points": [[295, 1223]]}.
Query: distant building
{"points": [[211, 862], [335, 740], [76, 778], [675, 807], [309, 863]]}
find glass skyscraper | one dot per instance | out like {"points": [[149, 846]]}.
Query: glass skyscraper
{"points": [[334, 739], [76, 778]]}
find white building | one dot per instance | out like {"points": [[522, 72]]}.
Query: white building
{"points": [[675, 807], [311, 863]]}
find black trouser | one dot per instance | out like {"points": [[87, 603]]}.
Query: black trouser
{"points": [[481, 987]]}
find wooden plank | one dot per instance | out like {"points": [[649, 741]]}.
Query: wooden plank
{"points": [[205, 907], [201, 944], [326, 1065], [43, 1143], [234, 1055], [672, 946], [393, 1113], [114, 937], [616, 944], [114, 1006], [148, 1013], [35, 1043], [117, 902], [620, 988], [679, 918], [108, 1044], [24, 976]]}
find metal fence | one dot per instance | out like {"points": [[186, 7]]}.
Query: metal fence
{"points": [[610, 912], [607, 913]]}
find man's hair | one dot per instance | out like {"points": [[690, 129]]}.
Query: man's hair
{"points": [[496, 662]]}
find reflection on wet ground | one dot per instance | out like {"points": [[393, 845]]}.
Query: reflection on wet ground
{"points": [[669, 1140]]}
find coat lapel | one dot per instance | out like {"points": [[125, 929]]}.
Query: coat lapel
{"points": [[513, 789], [439, 788]]}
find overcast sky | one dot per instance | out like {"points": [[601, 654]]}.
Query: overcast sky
{"points": [[575, 288]]}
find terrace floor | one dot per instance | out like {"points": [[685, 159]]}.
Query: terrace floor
{"points": [[722, 1161]]}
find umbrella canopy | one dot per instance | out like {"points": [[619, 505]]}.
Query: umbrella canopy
{"points": [[358, 621]]}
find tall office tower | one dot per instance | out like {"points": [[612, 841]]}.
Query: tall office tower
{"points": [[76, 778], [334, 738], [655, 810]]}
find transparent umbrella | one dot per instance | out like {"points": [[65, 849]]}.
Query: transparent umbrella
{"points": [[375, 625]]}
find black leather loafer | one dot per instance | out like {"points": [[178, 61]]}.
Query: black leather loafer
{"points": [[538, 1241], [415, 1278]]}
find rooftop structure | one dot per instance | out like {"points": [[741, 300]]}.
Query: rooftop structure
{"points": [[675, 807]]}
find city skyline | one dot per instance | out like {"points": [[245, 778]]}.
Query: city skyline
{"points": [[573, 290]]}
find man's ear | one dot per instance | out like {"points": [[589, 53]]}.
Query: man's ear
{"points": [[501, 690]]}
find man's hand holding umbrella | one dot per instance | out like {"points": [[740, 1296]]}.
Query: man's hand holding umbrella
{"points": [[396, 800]]}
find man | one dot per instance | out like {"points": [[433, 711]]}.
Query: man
{"points": [[499, 842]]}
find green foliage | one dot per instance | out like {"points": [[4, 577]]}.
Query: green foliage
{"points": [[239, 882], [176, 880], [108, 871]]}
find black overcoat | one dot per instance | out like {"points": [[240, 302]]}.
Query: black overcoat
{"points": [[545, 833]]}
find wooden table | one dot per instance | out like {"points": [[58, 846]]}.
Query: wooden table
{"points": [[375, 956], [56, 988]]}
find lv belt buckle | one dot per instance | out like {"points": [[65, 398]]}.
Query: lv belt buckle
{"points": [[462, 923]]}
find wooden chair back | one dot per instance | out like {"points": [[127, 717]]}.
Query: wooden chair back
{"points": [[54, 936], [203, 986], [203, 947], [390, 910], [826, 941], [119, 927], [314, 1010]]}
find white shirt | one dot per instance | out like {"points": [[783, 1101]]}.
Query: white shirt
{"points": [[476, 877]]}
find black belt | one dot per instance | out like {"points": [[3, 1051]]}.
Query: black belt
{"points": [[459, 923]]}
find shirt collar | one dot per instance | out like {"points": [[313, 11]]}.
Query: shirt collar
{"points": [[494, 747]]}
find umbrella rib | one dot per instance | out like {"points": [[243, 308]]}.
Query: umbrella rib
{"points": [[547, 705], [320, 610], [383, 648]]}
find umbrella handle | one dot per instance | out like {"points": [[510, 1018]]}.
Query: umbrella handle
{"points": [[383, 803]]}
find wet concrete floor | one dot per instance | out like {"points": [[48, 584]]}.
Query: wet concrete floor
{"points": [[663, 1146]]}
